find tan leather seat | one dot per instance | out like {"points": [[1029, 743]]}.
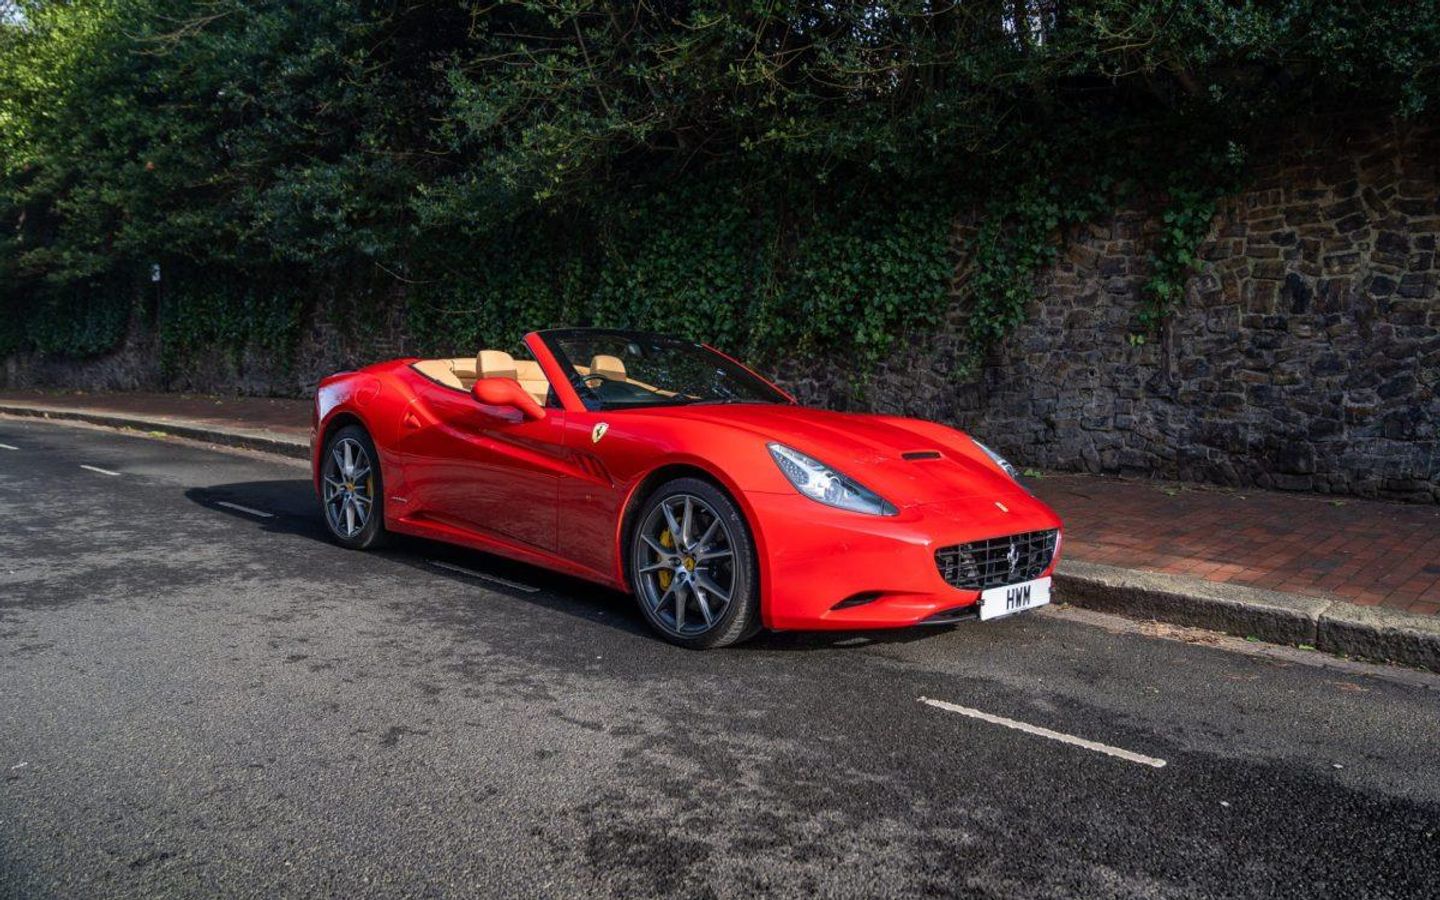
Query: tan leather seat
{"points": [[532, 379], [494, 364], [462, 371], [527, 372], [611, 367], [443, 371]]}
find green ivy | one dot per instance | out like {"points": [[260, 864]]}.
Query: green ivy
{"points": [[875, 269], [1192, 197], [1019, 234], [80, 319], [211, 315], [1183, 226], [760, 270]]}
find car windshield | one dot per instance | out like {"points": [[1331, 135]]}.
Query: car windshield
{"points": [[617, 370]]}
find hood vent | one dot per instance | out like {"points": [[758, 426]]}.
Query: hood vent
{"points": [[914, 455]]}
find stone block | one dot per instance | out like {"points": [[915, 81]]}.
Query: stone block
{"points": [[1352, 223], [1418, 286], [1284, 482], [1344, 208], [1342, 263], [1215, 250], [1112, 265], [1273, 269], [1082, 256], [1392, 242], [1381, 286]]}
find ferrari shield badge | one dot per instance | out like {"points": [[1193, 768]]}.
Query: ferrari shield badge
{"points": [[598, 432]]}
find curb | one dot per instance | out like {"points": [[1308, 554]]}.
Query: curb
{"points": [[1332, 626], [1328, 625], [246, 439]]}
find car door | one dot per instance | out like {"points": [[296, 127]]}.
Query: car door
{"points": [[482, 469]]}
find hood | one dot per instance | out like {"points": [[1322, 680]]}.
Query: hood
{"points": [[906, 461]]}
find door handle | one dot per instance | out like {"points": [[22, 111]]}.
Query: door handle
{"points": [[411, 421]]}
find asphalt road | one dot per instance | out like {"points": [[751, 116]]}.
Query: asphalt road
{"points": [[199, 700]]}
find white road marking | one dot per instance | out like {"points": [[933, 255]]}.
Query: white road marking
{"points": [[245, 509], [483, 577], [98, 469], [1046, 733], [8, 447]]}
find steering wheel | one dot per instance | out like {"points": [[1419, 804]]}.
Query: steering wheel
{"points": [[597, 378]]}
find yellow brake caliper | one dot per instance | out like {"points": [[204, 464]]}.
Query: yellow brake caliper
{"points": [[665, 575]]}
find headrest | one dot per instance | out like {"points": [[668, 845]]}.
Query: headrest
{"points": [[494, 364], [609, 366]]}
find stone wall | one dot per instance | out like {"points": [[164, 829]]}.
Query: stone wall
{"points": [[1306, 355]]}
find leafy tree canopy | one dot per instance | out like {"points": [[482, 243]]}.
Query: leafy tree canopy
{"points": [[781, 172]]}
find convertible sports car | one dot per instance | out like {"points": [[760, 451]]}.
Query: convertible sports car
{"points": [[666, 468]]}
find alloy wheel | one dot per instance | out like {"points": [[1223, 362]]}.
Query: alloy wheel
{"points": [[684, 562], [349, 488]]}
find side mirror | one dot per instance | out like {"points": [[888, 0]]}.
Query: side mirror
{"points": [[506, 392]]}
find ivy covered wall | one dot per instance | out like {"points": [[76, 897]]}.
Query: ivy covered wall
{"points": [[1304, 354]]}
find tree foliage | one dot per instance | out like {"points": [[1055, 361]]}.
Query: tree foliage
{"points": [[781, 173]]}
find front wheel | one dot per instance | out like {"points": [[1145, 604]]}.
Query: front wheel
{"points": [[351, 490], [692, 566]]}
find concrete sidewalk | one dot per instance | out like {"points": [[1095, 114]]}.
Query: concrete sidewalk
{"points": [[1350, 576]]}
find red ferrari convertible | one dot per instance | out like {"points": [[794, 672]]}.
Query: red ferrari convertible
{"points": [[666, 468]]}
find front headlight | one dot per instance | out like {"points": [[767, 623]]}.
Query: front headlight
{"points": [[823, 484], [1000, 461]]}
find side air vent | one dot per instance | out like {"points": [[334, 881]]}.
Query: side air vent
{"points": [[920, 454]]}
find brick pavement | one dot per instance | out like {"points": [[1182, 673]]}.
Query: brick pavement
{"points": [[1367, 552]]}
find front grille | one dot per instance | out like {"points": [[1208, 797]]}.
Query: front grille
{"points": [[995, 562]]}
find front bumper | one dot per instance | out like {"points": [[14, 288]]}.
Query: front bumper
{"points": [[813, 557]]}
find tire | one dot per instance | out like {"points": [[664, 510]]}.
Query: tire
{"points": [[689, 547], [353, 510]]}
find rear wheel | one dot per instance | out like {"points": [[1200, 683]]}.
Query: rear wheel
{"points": [[351, 489], [692, 566]]}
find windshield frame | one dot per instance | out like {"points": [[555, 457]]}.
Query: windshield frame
{"points": [[553, 339]]}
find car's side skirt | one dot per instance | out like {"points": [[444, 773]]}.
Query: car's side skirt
{"points": [[419, 526]]}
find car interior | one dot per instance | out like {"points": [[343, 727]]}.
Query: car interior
{"points": [[461, 372]]}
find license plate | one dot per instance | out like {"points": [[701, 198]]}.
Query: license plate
{"points": [[1002, 601]]}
